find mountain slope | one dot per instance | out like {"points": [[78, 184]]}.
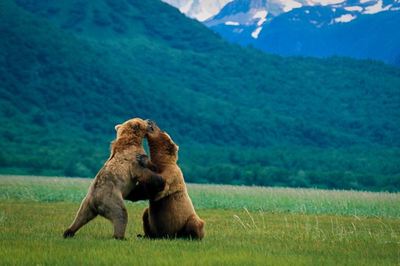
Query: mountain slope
{"points": [[232, 110], [372, 36]]}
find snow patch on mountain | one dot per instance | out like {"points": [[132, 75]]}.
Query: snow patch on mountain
{"points": [[345, 18], [290, 4], [198, 9], [185, 7], [232, 23], [378, 7], [261, 15], [323, 2], [256, 32], [353, 8]]}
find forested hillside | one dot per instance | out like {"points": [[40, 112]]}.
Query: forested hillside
{"points": [[71, 70]]}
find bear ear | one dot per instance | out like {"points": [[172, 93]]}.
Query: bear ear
{"points": [[116, 127], [172, 149]]}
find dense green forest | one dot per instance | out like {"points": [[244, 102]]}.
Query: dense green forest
{"points": [[70, 70]]}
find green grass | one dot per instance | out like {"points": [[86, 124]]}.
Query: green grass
{"points": [[275, 200], [245, 226]]}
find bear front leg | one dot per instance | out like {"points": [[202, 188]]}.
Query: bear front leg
{"points": [[144, 161], [152, 182], [146, 185]]}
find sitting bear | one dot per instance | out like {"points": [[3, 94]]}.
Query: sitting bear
{"points": [[171, 212], [120, 175]]}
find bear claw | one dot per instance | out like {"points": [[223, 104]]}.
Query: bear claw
{"points": [[68, 233]]}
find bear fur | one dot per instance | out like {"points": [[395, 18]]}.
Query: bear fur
{"points": [[170, 212], [120, 175]]}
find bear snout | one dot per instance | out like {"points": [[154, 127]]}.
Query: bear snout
{"points": [[150, 125]]}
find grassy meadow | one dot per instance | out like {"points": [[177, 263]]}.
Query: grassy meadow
{"points": [[245, 226]]}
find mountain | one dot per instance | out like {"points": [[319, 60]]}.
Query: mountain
{"points": [[198, 9], [354, 28], [72, 69]]}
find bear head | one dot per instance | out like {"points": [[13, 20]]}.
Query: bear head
{"points": [[162, 147], [130, 133], [132, 128]]}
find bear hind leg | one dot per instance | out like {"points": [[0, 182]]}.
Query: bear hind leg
{"points": [[146, 224], [120, 221], [84, 215], [113, 209], [194, 228]]}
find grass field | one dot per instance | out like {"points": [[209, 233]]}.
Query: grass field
{"points": [[245, 226]]}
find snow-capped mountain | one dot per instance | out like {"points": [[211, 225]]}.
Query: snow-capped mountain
{"points": [[243, 15], [198, 9], [325, 31], [355, 28]]}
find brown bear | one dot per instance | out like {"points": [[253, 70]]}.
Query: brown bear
{"points": [[120, 175], [171, 212]]}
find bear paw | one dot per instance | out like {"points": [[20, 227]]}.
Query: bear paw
{"points": [[142, 160], [68, 233], [120, 238]]}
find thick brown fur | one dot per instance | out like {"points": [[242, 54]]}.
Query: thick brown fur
{"points": [[171, 212], [120, 175]]}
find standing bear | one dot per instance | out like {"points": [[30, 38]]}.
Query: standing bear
{"points": [[120, 175], [171, 212]]}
